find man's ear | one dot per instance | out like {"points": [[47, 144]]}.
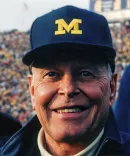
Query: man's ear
{"points": [[31, 89], [113, 88]]}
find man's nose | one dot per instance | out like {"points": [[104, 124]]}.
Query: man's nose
{"points": [[69, 87]]}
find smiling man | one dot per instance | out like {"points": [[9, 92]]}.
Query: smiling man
{"points": [[72, 86]]}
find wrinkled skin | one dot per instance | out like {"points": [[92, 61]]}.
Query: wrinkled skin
{"points": [[72, 83]]}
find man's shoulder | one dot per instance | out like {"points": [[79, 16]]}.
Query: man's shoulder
{"points": [[126, 142], [117, 141], [116, 147]]}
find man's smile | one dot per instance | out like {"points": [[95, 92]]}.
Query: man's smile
{"points": [[71, 112]]}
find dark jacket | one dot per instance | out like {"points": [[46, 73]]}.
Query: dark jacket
{"points": [[8, 126], [24, 142], [122, 104]]}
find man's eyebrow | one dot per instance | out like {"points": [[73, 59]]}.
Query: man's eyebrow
{"points": [[98, 68], [48, 68]]}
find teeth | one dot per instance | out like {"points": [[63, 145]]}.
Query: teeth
{"points": [[71, 110]]}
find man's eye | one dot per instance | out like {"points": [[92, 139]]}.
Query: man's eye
{"points": [[86, 73], [52, 74]]}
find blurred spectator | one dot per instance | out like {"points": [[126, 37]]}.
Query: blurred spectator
{"points": [[122, 104], [8, 126], [121, 40]]}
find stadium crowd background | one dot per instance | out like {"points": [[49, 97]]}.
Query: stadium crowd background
{"points": [[14, 92]]}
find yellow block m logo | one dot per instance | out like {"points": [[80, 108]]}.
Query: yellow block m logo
{"points": [[73, 27]]}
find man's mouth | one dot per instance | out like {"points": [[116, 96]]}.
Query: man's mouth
{"points": [[71, 110]]}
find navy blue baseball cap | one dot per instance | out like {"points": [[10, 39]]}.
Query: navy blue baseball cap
{"points": [[70, 27]]}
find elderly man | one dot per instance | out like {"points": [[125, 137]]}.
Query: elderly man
{"points": [[72, 86]]}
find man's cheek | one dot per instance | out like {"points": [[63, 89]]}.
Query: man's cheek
{"points": [[44, 93], [93, 92], [101, 90]]}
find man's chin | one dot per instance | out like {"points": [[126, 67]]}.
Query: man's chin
{"points": [[71, 136]]}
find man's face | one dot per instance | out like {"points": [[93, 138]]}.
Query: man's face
{"points": [[72, 98]]}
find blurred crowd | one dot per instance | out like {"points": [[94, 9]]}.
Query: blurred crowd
{"points": [[14, 92], [121, 40]]}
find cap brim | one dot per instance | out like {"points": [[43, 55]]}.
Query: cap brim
{"points": [[41, 51]]}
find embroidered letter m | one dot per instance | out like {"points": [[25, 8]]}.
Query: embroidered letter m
{"points": [[72, 27]]}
